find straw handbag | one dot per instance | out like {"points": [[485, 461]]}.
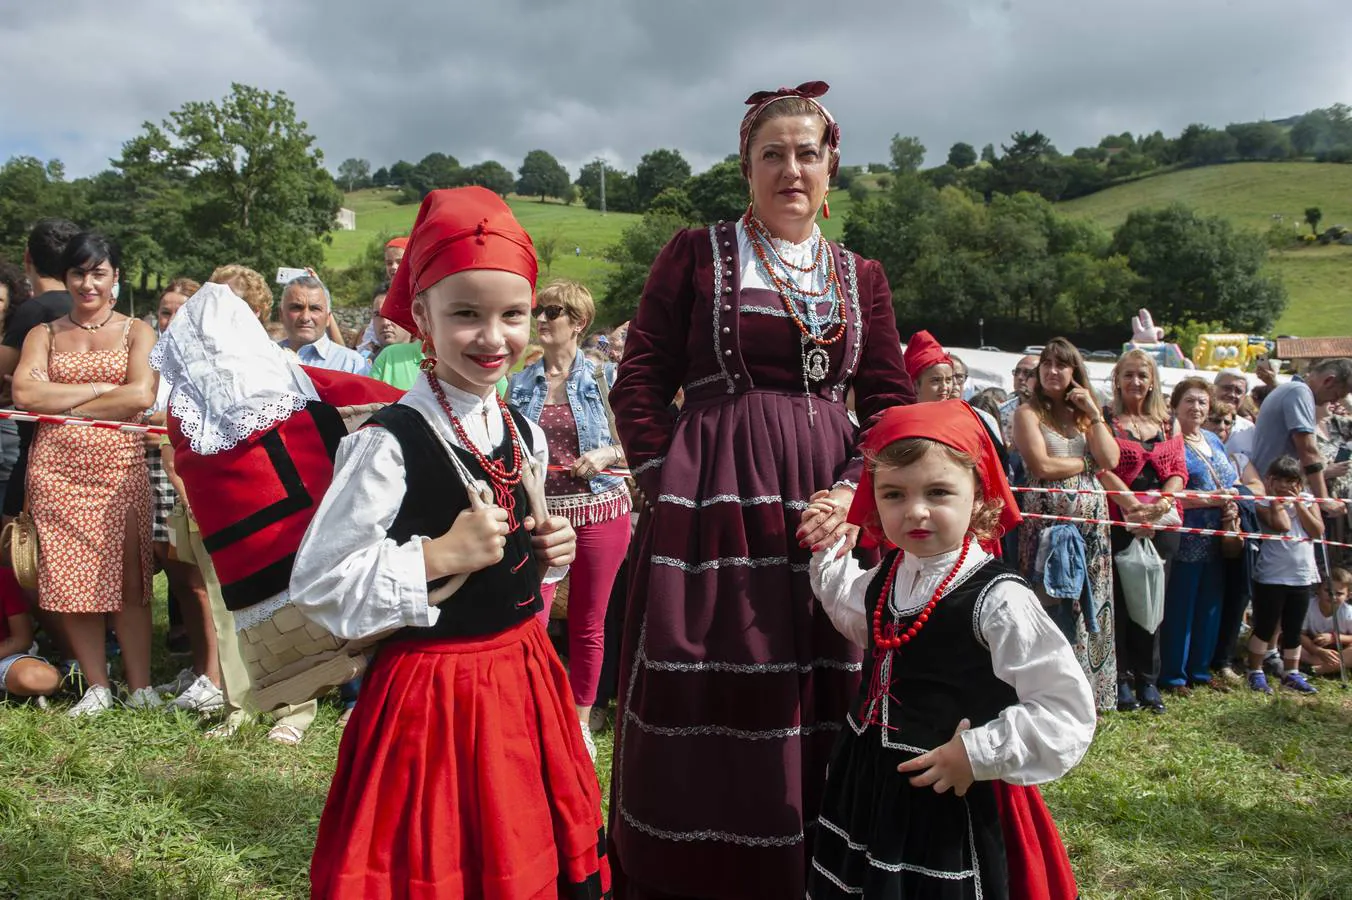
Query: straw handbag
{"points": [[20, 540]]}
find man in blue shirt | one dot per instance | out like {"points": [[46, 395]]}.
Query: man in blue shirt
{"points": [[305, 318], [1286, 421]]}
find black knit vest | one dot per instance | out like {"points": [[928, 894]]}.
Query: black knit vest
{"points": [[492, 599], [944, 674]]}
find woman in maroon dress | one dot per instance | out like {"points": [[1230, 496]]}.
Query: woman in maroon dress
{"points": [[733, 681]]}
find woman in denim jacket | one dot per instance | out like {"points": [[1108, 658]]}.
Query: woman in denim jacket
{"points": [[564, 393]]}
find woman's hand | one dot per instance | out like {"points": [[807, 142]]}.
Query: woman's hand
{"points": [[1081, 399], [554, 542], [944, 767], [824, 521], [590, 464], [1336, 469]]}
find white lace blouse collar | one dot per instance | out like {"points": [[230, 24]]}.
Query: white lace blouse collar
{"points": [[918, 577]]}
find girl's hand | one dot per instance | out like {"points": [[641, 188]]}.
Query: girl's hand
{"points": [[944, 767], [824, 521], [476, 540], [554, 541], [1326, 657]]}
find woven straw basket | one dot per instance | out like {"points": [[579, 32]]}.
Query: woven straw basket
{"points": [[289, 658]]}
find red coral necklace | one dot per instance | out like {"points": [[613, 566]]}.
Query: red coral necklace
{"points": [[503, 479], [894, 641]]}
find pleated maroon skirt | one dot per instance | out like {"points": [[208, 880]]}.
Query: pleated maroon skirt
{"points": [[462, 773]]}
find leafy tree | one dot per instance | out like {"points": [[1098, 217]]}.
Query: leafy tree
{"points": [[1199, 267], [988, 154], [381, 177], [1260, 140], [858, 192], [401, 173], [720, 193], [941, 176], [29, 190], [675, 203], [1204, 146], [1029, 163], [354, 173], [908, 154], [434, 172], [962, 156], [256, 191], [547, 248], [657, 171], [1313, 215], [542, 176], [489, 174], [637, 249]]}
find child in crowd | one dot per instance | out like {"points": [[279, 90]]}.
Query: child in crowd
{"points": [[970, 693], [463, 771], [21, 673], [1328, 626], [1284, 574]]}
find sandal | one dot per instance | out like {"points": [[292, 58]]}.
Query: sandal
{"points": [[289, 735]]}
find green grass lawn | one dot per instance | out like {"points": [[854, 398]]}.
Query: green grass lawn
{"points": [[1318, 279], [1225, 796]]}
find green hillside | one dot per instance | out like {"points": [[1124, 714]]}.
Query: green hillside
{"points": [[1319, 279], [575, 226]]}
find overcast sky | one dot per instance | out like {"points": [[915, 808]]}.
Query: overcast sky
{"points": [[493, 79]]}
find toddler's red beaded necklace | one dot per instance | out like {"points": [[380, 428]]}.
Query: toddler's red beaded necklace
{"points": [[502, 478], [884, 644]]}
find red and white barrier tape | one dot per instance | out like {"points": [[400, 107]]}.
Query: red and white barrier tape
{"points": [[1177, 495], [617, 472], [47, 419], [1184, 529]]}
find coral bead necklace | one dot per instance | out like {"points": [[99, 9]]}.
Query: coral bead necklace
{"points": [[504, 479], [891, 642]]}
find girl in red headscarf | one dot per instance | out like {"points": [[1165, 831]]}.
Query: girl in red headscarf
{"points": [[970, 695], [463, 771]]}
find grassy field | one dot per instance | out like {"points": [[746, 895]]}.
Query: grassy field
{"points": [[1225, 796], [1319, 279]]}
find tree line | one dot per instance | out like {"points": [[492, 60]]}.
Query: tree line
{"points": [[1030, 161]]}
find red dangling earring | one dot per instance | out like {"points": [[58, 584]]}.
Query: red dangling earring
{"points": [[429, 356], [826, 208]]}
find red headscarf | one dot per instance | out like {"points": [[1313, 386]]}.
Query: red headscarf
{"points": [[759, 101], [398, 243], [923, 351], [950, 422], [456, 230]]}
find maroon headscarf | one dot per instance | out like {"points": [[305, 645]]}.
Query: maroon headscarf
{"points": [[761, 100]]}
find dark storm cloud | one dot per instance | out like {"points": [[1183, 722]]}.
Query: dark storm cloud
{"points": [[386, 81]]}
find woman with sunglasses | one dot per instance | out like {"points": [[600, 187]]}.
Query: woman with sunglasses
{"points": [[568, 396]]}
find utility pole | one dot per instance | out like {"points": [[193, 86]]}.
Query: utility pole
{"points": [[602, 163]]}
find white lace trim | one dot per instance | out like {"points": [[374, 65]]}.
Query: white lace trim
{"points": [[261, 612], [227, 378]]}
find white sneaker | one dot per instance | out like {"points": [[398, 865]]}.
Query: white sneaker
{"points": [[588, 740], [144, 698], [96, 700], [182, 682], [201, 696]]}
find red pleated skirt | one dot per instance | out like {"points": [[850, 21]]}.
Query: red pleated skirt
{"points": [[1039, 868], [462, 773]]}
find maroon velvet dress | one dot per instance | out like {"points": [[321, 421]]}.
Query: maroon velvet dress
{"points": [[733, 681]]}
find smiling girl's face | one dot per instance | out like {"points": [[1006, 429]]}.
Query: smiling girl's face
{"points": [[479, 323]]}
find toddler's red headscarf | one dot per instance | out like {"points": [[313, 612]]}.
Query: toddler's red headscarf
{"points": [[950, 422], [923, 351], [456, 230]]}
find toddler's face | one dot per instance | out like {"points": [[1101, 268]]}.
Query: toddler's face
{"points": [[925, 508]]}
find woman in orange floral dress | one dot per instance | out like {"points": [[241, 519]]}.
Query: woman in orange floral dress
{"points": [[88, 490]]}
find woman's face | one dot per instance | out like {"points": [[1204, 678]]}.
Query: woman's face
{"points": [[556, 327], [1192, 410], [170, 304], [478, 322], [1220, 424], [92, 287], [1055, 377], [1133, 381], [789, 165]]}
